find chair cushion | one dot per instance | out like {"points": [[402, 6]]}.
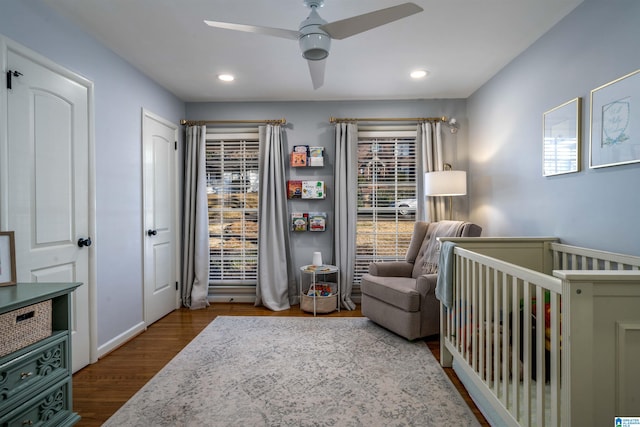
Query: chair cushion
{"points": [[397, 291], [417, 238], [429, 253]]}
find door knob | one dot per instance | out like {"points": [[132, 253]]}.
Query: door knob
{"points": [[84, 242], [151, 233]]}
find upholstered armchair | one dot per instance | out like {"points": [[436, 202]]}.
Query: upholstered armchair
{"points": [[400, 295]]}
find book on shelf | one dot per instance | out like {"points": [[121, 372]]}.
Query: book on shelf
{"points": [[299, 221], [316, 156], [313, 190], [298, 159], [294, 189], [301, 149], [317, 221]]}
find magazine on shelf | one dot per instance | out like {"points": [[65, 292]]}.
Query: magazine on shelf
{"points": [[299, 221], [313, 190], [301, 149], [298, 159], [294, 189], [317, 221], [316, 156]]}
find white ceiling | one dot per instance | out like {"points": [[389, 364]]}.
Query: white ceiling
{"points": [[463, 43]]}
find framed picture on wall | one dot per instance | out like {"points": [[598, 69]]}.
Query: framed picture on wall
{"points": [[7, 259], [615, 122], [561, 140]]}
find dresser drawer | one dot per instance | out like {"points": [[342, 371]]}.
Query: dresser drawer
{"points": [[51, 407], [33, 369]]}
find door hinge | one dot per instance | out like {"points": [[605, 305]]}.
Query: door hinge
{"points": [[10, 74], [176, 286]]}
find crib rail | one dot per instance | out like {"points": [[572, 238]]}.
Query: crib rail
{"points": [[567, 257], [495, 301]]}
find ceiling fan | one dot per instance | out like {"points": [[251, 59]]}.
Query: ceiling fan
{"points": [[314, 34]]}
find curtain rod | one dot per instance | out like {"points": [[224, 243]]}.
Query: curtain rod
{"points": [[389, 119], [185, 122]]}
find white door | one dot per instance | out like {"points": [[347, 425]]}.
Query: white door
{"points": [[46, 183], [160, 216]]}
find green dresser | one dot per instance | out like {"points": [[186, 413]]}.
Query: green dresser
{"points": [[35, 380]]}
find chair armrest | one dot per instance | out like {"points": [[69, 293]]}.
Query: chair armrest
{"points": [[391, 269], [426, 284]]}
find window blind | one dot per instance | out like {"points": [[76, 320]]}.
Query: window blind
{"points": [[386, 196], [232, 187]]}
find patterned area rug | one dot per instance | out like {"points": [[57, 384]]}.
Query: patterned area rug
{"points": [[298, 371]]}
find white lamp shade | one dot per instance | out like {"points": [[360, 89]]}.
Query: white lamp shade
{"points": [[445, 183]]}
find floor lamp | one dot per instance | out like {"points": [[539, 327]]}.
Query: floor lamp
{"points": [[446, 183]]}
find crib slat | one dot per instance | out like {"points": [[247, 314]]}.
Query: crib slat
{"points": [[493, 368], [540, 355], [458, 307], [508, 331], [524, 341], [482, 321], [499, 372], [467, 310], [554, 357], [475, 325]]}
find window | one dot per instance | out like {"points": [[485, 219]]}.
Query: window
{"points": [[232, 187], [386, 196]]}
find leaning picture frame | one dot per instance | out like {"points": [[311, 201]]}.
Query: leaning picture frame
{"points": [[615, 122], [562, 138], [7, 258]]}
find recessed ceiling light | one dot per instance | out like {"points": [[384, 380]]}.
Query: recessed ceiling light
{"points": [[418, 74], [225, 77]]}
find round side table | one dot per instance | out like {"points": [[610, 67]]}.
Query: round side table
{"points": [[314, 303]]}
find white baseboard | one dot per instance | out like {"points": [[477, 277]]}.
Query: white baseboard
{"points": [[232, 298], [247, 294], [121, 339]]}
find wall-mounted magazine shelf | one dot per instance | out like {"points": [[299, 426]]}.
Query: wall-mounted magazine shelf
{"points": [[308, 190], [308, 221], [306, 156]]}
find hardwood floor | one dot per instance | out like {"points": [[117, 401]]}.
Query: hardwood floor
{"points": [[99, 390]]}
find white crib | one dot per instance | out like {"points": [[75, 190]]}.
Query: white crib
{"points": [[573, 360]]}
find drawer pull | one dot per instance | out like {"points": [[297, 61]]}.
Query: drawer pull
{"points": [[27, 423], [25, 375]]}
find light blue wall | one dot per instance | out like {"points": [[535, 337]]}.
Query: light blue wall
{"points": [[120, 94], [308, 123], [598, 208]]}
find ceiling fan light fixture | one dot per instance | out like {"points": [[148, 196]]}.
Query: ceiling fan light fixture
{"points": [[315, 46]]}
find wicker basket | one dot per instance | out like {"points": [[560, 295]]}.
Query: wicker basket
{"points": [[324, 304], [24, 326]]}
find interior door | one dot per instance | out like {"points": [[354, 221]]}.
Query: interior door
{"points": [[160, 216], [45, 182]]}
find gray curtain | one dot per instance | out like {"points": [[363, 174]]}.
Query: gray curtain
{"points": [[345, 205], [428, 159], [195, 230], [276, 288]]}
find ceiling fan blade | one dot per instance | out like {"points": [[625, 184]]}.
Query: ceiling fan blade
{"points": [[358, 24], [316, 69], [276, 32]]}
